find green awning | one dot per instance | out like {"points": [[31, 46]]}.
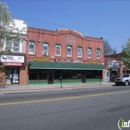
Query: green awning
{"points": [[64, 66]]}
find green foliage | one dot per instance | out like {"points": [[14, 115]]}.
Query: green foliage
{"points": [[125, 54], [8, 32]]}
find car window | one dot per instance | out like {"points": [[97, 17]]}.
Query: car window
{"points": [[125, 75]]}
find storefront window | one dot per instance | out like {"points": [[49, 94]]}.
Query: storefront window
{"points": [[8, 76], [12, 75], [15, 76], [114, 73]]}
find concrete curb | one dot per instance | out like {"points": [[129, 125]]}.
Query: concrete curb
{"points": [[36, 89]]}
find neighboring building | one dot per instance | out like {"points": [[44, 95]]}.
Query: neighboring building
{"points": [[114, 67], [15, 60], [63, 53]]}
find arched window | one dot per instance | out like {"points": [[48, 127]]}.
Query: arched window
{"points": [[45, 49], [98, 53], [79, 51], [89, 52], [69, 51], [31, 47], [58, 50]]}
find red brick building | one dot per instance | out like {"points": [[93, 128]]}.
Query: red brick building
{"points": [[63, 53]]}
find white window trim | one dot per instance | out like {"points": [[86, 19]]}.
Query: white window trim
{"points": [[60, 51], [81, 52], [32, 53], [91, 53], [99, 54], [20, 47], [12, 44], [71, 52], [47, 50]]}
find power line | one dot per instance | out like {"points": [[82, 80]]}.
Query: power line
{"points": [[74, 27]]}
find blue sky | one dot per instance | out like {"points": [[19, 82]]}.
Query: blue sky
{"points": [[109, 19]]}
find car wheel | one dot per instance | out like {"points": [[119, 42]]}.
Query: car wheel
{"points": [[126, 83], [117, 84]]}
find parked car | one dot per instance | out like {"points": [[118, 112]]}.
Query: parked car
{"points": [[124, 79]]}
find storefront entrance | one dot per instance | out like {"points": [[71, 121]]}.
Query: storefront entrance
{"points": [[12, 75]]}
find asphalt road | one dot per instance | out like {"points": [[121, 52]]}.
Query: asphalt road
{"points": [[77, 109]]}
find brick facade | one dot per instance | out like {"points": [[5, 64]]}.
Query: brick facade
{"points": [[22, 75], [2, 77], [64, 37]]}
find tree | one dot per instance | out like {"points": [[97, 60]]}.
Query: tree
{"points": [[125, 54], [8, 32], [108, 50]]}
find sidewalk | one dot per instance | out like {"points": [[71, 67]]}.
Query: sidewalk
{"points": [[17, 88]]}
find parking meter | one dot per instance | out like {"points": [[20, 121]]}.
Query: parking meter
{"points": [[60, 78], [100, 80]]}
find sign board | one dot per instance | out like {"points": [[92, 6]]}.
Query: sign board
{"points": [[113, 64], [93, 62], [12, 59], [12, 64], [41, 59]]}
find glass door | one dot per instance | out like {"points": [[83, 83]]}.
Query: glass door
{"points": [[8, 74], [108, 76], [15, 76]]}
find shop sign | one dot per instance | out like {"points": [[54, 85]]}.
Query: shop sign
{"points": [[78, 61], [93, 62], [12, 64], [113, 64], [70, 60], [12, 59], [41, 59]]}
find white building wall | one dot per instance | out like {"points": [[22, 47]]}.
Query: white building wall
{"points": [[20, 25]]}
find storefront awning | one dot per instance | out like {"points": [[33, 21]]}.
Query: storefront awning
{"points": [[64, 66]]}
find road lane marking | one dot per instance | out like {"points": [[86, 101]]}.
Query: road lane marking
{"points": [[65, 98]]}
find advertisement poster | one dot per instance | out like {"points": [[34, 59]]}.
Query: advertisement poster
{"points": [[15, 78]]}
